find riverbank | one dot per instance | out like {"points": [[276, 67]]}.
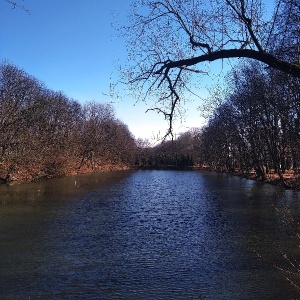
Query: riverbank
{"points": [[291, 181], [288, 181], [32, 174]]}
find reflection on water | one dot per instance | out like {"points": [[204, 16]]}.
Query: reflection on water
{"points": [[141, 235], [56, 189]]}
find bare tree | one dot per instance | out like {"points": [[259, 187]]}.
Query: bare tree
{"points": [[45, 134], [169, 39], [16, 102]]}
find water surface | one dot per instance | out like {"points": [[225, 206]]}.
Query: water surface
{"points": [[142, 235]]}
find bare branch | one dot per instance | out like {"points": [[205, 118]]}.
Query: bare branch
{"points": [[248, 22], [16, 5], [165, 36], [270, 60]]}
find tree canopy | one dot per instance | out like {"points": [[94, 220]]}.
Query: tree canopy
{"points": [[257, 125], [169, 39], [44, 134]]}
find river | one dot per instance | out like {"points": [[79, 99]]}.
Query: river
{"points": [[142, 235]]}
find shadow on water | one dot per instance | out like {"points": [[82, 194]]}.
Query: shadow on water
{"points": [[141, 235], [56, 189]]}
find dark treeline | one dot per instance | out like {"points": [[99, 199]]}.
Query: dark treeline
{"points": [[257, 127], [45, 134], [182, 152]]}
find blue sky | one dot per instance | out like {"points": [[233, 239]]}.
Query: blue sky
{"points": [[72, 46]]}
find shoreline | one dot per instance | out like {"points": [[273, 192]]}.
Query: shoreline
{"points": [[291, 181], [23, 176]]}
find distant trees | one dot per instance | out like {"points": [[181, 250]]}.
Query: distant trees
{"points": [[44, 133], [180, 153], [104, 139]]}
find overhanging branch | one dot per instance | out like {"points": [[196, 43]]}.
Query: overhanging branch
{"points": [[268, 59]]}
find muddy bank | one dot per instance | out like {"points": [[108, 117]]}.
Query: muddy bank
{"points": [[288, 180], [32, 174]]}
